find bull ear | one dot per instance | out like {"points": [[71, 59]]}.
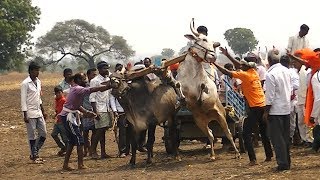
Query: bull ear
{"points": [[216, 44], [190, 37]]}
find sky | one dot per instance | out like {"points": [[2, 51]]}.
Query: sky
{"points": [[151, 25]]}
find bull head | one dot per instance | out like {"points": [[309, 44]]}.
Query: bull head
{"points": [[122, 85], [200, 44]]}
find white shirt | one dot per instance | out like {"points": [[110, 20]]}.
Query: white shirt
{"points": [[315, 82], [295, 86], [262, 72], [296, 42], [303, 85], [278, 89], [100, 98], [115, 105], [30, 97]]}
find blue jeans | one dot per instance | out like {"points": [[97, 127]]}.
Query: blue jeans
{"points": [[58, 128]]}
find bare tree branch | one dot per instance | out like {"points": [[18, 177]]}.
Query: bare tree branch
{"points": [[107, 50]]}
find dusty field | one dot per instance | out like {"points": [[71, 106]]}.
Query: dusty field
{"points": [[14, 162]]}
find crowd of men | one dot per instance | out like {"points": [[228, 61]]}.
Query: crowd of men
{"points": [[279, 97]]}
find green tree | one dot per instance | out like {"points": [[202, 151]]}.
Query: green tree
{"points": [[17, 19], [81, 40], [167, 52], [241, 40]]}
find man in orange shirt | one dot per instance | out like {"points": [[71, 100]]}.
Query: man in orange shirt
{"points": [[253, 93]]}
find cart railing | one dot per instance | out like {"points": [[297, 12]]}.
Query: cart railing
{"points": [[234, 99]]}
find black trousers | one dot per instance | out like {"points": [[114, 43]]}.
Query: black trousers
{"points": [[279, 130], [124, 134], [316, 136], [255, 114]]}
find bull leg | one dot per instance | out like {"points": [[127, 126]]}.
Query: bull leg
{"points": [[176, 86], [207, 131], [150, 142], [181, 97], [223, 123], [134, 137]]}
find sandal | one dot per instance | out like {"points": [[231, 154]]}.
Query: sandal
{"points": [[82, 167], [38, 161]]}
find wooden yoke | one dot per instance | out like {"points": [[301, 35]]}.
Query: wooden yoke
{"points": [[167, 63], [135, 74]]}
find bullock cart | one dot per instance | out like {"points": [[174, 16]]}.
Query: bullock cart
{"points": [[184, 120]]}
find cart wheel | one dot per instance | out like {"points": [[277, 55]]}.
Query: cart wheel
{"points": [[167, 141]]}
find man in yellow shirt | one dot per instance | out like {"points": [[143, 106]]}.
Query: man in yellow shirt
{"points": [[253, 93]]}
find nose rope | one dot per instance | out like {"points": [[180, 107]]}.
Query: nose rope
{"points": [[197, 57]]}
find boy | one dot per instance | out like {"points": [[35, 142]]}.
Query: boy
{"points": [[58, 127]]}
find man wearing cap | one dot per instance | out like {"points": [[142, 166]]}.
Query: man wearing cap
{"points": [[253, 93], [33, 112], [277, 114], [100, 105], [311, 60], [300, 106]]}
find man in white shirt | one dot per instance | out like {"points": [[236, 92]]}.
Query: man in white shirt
{"points": [[299, 41], [315, 113], [100, 104], [285, 61], [278, 94], [33, 112], [300, 106]]}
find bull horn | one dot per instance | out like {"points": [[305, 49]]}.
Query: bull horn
{"points": [[193, 30]]}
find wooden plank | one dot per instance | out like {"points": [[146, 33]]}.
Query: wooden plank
{"points": [[167, 63], [135, 74]]}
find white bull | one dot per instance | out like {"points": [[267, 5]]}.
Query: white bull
{"points": [[199, 90]]}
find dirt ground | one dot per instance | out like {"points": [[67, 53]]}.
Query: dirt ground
{"points": [[195, 164]]}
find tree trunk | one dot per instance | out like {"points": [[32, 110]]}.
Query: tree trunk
{"points": [[91, 63]]}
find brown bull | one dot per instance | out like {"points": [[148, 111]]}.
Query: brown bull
{"points": [[199, 90], [146, 104]]}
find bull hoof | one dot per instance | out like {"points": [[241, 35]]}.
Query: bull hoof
{"points": [[178, 158], [212, 158], [238, 156]]}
